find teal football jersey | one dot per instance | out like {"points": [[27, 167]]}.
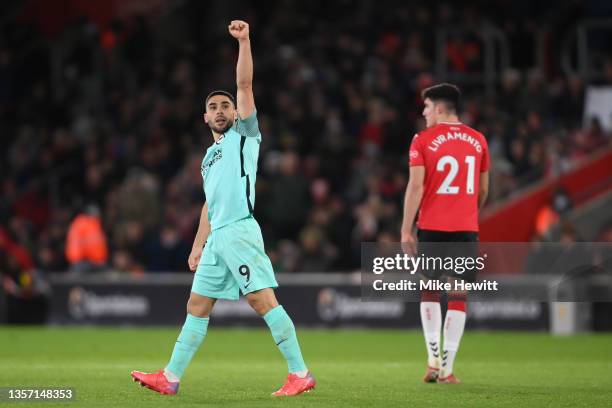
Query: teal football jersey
{"points": [[228, 170]]}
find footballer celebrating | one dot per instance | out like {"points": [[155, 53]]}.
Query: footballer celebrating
{"points": [[448, 183], [228, 253]]}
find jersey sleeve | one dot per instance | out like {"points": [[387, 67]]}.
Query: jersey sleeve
{"points": [[248, 127], [485, 160], [416, 152]]}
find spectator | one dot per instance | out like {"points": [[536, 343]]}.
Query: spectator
{"points": [[86, 247], [288, 198], [551, 215], [167, 251], [26, 292]]}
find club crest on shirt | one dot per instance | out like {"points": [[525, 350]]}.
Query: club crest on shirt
{"points": [[206, 166]]}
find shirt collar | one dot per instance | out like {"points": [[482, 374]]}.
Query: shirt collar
{"points": [[220, 139]]}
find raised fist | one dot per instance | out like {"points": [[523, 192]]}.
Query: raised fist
{"points": [[239, 29]]}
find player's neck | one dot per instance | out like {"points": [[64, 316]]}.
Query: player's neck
{"points": [[450, 119]]}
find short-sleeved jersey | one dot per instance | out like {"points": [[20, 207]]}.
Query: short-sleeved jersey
{"points": [[228, 170], [453, 155]]}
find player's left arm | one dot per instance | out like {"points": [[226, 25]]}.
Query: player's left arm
{"points": [[244, 69], [483, 188], [412, 200], [483, 184]]}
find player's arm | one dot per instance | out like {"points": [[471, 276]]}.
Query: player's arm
{"points": [[200, 239], [483, 188], [483, 184], [244, 69], [412, 200]]}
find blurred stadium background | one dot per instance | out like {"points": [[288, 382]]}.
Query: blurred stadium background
{"points": [[102, 139]]}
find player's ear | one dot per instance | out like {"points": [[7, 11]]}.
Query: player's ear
{"points": [[205, 117]]}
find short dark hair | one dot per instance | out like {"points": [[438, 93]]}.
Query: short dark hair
{"points": [[447, 93], [219, 92]]}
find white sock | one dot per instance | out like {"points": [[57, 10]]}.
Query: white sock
{"points": [[170, 376], [431, 318], [453, 330], [301, 373]]}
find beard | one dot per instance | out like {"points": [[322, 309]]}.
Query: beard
{"points": [[221, 129]]}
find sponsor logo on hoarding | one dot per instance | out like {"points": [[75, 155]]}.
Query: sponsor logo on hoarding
{"points": [[335, 305], [521, 310], [83, 304]]}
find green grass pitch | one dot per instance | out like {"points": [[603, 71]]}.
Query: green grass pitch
{"points": [[354, 368]]}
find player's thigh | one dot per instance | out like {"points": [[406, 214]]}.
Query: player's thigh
{"points": [[244, 254], [464, 250], [213, 278], [439, 246], [430, 248]]}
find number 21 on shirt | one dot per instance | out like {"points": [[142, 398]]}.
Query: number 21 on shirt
{"points": [[451, 163]]}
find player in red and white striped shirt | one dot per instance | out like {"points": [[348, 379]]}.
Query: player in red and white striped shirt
{"points": [[449, 178]]}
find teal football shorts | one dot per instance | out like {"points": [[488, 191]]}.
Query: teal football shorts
{"points": [[234, 260]]}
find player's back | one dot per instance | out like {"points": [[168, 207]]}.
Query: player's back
{"points": [[453, 155]]}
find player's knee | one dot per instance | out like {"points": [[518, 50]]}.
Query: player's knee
{"points": [[260, 304], [257, 304], [199, 306]]}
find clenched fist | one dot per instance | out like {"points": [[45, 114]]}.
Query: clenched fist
{"points": [[239, 29]]}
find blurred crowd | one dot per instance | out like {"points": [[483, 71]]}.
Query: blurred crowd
{"points": [[104, 122]]}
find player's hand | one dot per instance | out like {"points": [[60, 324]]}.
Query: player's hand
{"points": [[239, 29], [408, 243], [194, 258]]}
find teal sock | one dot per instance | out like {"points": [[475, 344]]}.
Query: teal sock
{"points": [[283, 332], [187, 344]]}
